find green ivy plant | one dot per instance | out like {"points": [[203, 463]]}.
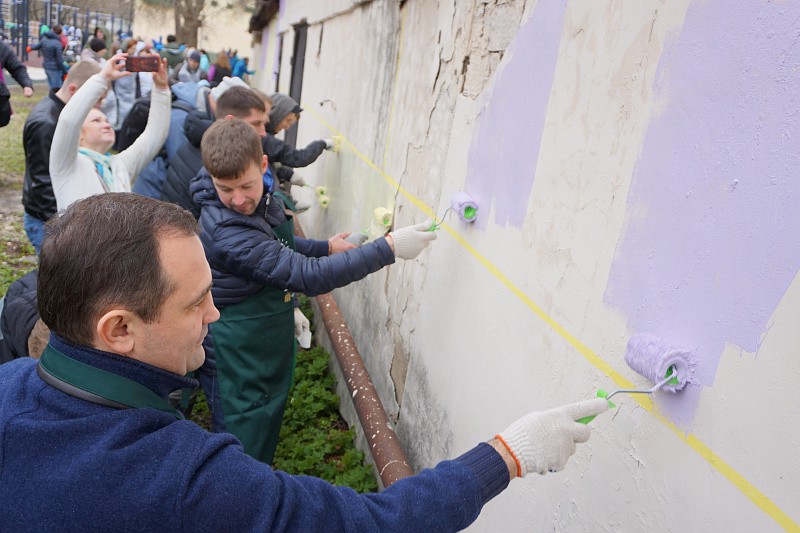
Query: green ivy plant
{"points": [[314, 439]]}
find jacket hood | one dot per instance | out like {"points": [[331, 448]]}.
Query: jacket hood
{"points": [[51, 35], [185, 91], [202, 190]]}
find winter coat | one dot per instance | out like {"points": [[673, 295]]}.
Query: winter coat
{"points": [[10, 62], [182, 73], [18, 316], [245, 256], [173, 54], [186, 163], [69, 464], [283, 157], [37, 137], [50, 44], [219, 74]]}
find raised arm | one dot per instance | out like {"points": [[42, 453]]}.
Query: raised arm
{"points": [[147, 145]]}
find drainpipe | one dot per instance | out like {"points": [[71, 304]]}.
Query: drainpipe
{"points": [[389, 457]]}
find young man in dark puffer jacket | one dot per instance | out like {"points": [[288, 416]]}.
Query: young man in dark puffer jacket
{"points": [[257, 264]]}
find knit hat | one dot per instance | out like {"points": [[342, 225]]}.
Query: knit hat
{"points": [[226, 84], [194, 56], [97, 44], [282, 105]]}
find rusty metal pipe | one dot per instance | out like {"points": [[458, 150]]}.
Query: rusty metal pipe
{"points": [[389, 457]]}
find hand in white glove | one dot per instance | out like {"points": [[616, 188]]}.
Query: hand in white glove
{"points": [[298, 180], [329, 144], [408, 242], [302, 329], [543, 442]]}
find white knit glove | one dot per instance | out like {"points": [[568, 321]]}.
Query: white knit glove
{"points": [[329, 144], [543, 442], [297, 180], [302, 329], [411, 240]]}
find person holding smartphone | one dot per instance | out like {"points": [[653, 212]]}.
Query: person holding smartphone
{"points": [[80, 164]]}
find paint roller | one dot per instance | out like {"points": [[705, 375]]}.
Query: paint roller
{"points": [[380, 224], [378, 227], [464, 205], [669, 367]]}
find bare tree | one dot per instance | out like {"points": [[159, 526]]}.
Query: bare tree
{"points": [[190, 15], [188, 20]]}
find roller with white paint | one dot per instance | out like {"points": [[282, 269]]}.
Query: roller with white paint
{"points": [[669, 367]]}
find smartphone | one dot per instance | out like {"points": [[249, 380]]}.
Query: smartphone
{"points": [[142, 63]]}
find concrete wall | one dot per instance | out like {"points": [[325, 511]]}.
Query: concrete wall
{"points": [[634, 163]]}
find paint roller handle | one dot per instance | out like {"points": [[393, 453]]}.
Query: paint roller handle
{"points": [[600, 394]]}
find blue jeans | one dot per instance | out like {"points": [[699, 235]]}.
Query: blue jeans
{"points": [[55, 78], [34, 229]]}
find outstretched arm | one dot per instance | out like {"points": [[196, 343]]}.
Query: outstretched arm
{"points": [[146, 147]]}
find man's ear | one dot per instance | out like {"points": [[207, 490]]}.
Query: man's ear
{"points": [[72, 89], [264, 164], [229, 117], [116, 331]]}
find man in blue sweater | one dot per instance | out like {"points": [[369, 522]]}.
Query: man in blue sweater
{"points": [[90, 442]]}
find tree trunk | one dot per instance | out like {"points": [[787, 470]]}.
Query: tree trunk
{"points": [[188, 20]]}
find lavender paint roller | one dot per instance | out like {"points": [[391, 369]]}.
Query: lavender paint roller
{"points": [[466, 207], [669, 367]]}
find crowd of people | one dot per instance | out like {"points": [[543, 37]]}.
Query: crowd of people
{"points": [[161, 209]]}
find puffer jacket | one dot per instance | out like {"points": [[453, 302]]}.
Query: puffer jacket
{"points": [[186, 163], [283, 157], [10, 62], [18, 316], [245, 256], [50, 45]]}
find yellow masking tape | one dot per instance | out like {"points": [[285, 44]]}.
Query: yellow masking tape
{"points": [[747, 488]]}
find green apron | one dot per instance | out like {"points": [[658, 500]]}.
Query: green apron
{"points": [[255, 352], [97, 386]]}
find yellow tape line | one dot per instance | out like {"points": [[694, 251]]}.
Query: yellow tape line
{"points": [[747, 488]]}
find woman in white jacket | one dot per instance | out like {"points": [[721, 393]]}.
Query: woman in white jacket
{"points": [[79, 163]]}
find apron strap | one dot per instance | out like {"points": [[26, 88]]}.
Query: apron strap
{"points": [[97, 386]]}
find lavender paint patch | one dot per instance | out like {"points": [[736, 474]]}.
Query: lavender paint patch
{"points": [[713, 246], [505, 146]]}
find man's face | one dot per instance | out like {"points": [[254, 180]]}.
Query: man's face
{"points": [[174, 342], [193, 65], [257, 120], [242, 194], [287, 122]]}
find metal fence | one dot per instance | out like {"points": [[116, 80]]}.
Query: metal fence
{"points": [[21, 23]]}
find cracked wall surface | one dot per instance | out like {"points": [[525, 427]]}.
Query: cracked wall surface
{"points": [[572, 123]]}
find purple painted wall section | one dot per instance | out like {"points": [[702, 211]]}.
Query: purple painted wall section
{"points": [[505, 148], [712, 242]]}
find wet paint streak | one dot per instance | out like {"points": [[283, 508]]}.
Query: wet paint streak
{"points": [[711, 244], [505, 146]]}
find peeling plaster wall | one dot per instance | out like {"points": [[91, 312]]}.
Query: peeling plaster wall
{"points": [[634, 163]]}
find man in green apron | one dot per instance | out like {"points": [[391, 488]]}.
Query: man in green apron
{"points": [[257, 264]]}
